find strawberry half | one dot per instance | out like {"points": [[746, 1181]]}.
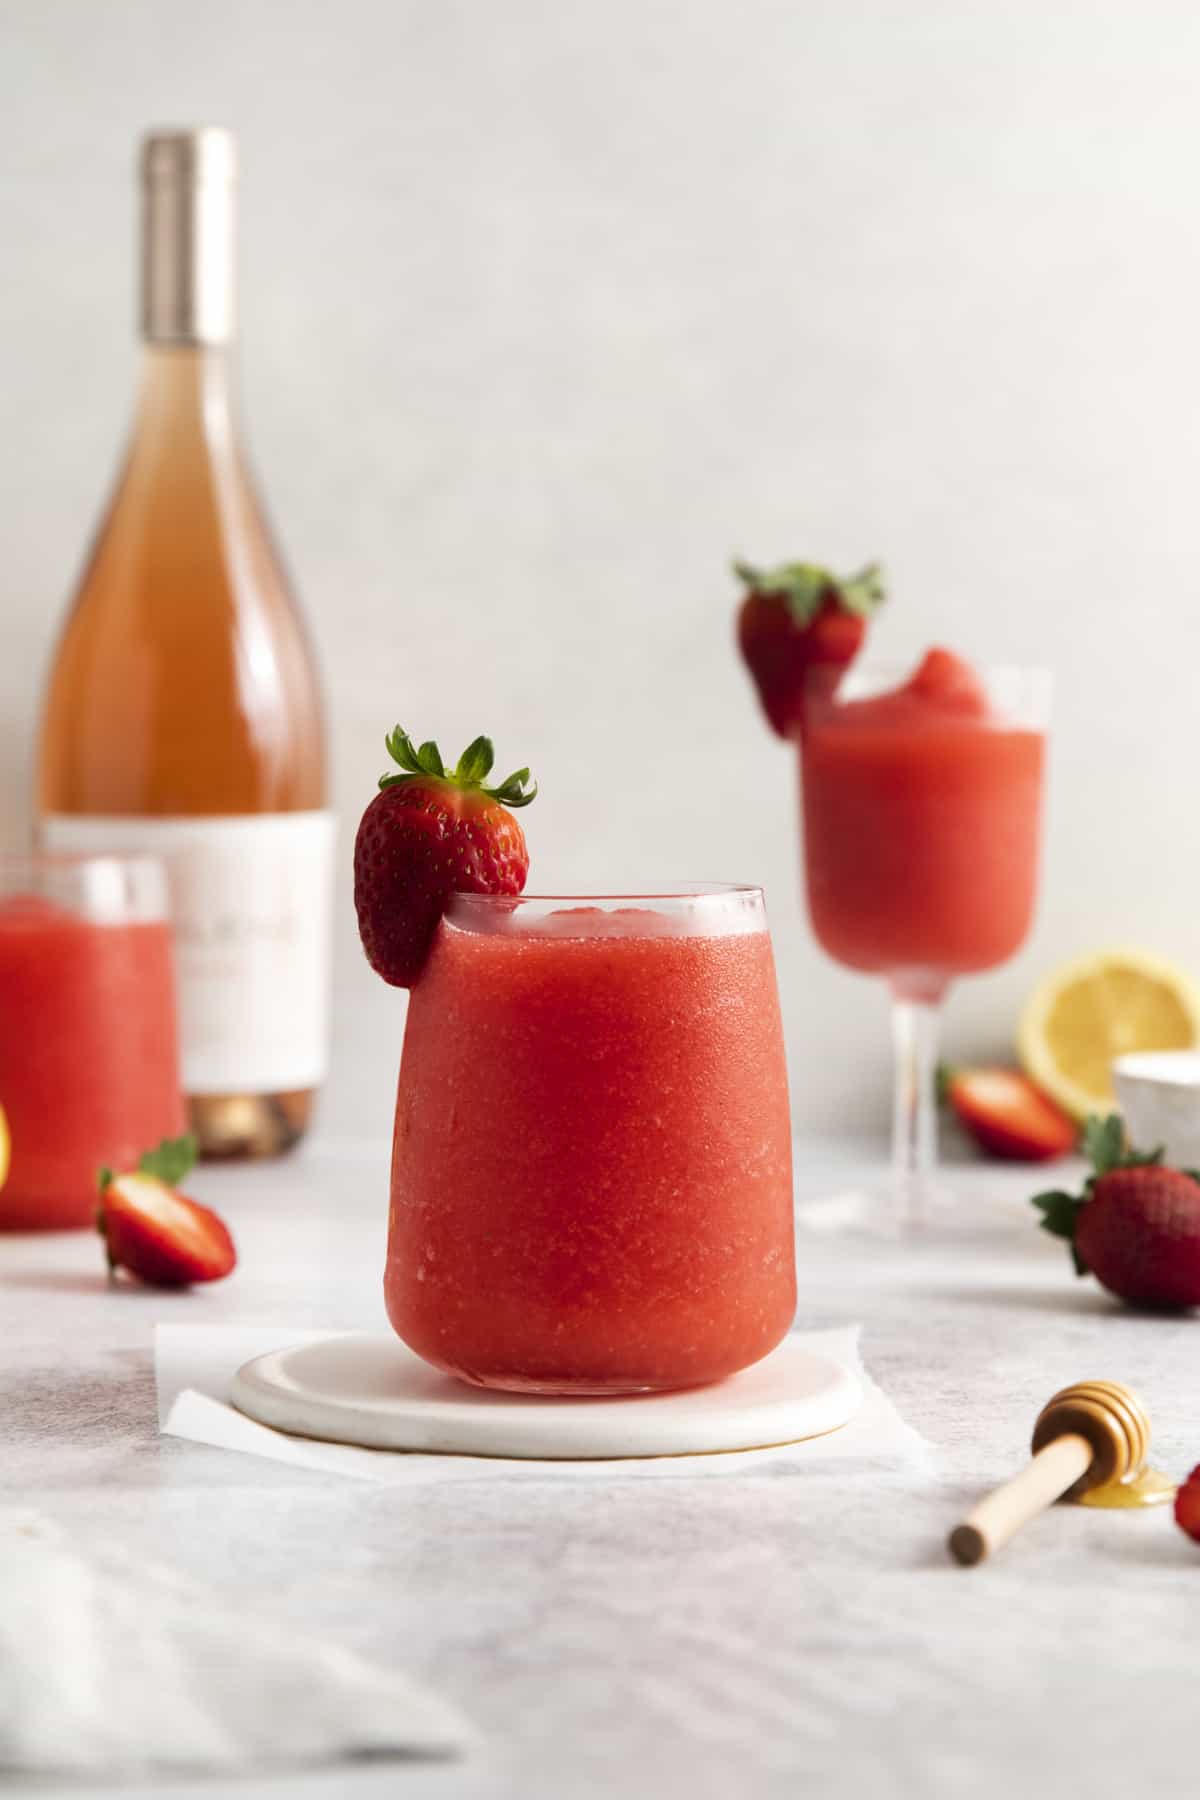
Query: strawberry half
{"points": [[1007, 1115], [799, 621], [1187, 1505], [430, 833], [1136, 1226], [156, 1233]]}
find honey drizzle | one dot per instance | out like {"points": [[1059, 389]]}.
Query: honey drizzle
{"points": [[1145, 1487]]}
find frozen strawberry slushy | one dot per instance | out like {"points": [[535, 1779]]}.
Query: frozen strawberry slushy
{"points": [[88, 1061], [921, 822], [591, 1178]]}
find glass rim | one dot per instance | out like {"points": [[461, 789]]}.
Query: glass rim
{"points": [[869, 665], [75, 859], [1023, 693], [102, 887], [681, 890]]}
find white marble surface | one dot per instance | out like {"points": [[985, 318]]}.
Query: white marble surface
{"points": [[765, 1635]]}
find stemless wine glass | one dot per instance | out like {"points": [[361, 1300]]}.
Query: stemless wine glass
{"points": [[921, 826], [591, 1176], [89, 1070]]}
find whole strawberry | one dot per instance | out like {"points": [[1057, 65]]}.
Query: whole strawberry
{"points": [[797, 621], [1187, 1505], [429, 833], [1136, 1226]]}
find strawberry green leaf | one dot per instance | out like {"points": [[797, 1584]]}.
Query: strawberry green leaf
{"points": [[1059, 1212], [1060, 1215], [475, 763], [401, 750], [863, 592], [104, 1177], [943, 1077], [1104, 1142], [472, 770], [171, 1161], [804, 587], [801, 586], [512, 792]]}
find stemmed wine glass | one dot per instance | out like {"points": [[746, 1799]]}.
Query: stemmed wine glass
{"points": [[921, 822]]}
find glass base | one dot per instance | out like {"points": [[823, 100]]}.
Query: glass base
{"points": [[563, 1387], [570, 1390], [42, 1212]]}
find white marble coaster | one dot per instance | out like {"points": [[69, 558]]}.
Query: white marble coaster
{"points": [[373, 1391]]}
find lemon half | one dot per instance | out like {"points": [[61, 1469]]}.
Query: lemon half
{"points": [[1088, 1012]]}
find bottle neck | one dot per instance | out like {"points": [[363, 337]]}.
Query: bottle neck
{"points": [[185, 394]]}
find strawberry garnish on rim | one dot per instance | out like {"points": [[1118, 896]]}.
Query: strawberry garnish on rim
{"points": [[156, 1233], [798, 622], [429, 833]]}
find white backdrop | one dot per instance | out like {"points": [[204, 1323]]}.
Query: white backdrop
{"points": [[547, 309]]}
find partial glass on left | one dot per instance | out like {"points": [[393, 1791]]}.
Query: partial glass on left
{"points": [[89, 1061]]}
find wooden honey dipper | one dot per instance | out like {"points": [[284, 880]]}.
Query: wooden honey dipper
{"points": [[1087, 1435]]}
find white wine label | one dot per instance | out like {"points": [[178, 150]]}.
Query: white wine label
{"points": [[251, 906]]}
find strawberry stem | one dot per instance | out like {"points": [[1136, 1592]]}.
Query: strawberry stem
{"points": [[1105, 1147], [469, 773], [804, 588], [172, 1160], [475, 764], [944, 1077]]}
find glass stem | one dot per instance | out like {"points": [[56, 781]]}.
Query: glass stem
{"points": [[914, 1109]]}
